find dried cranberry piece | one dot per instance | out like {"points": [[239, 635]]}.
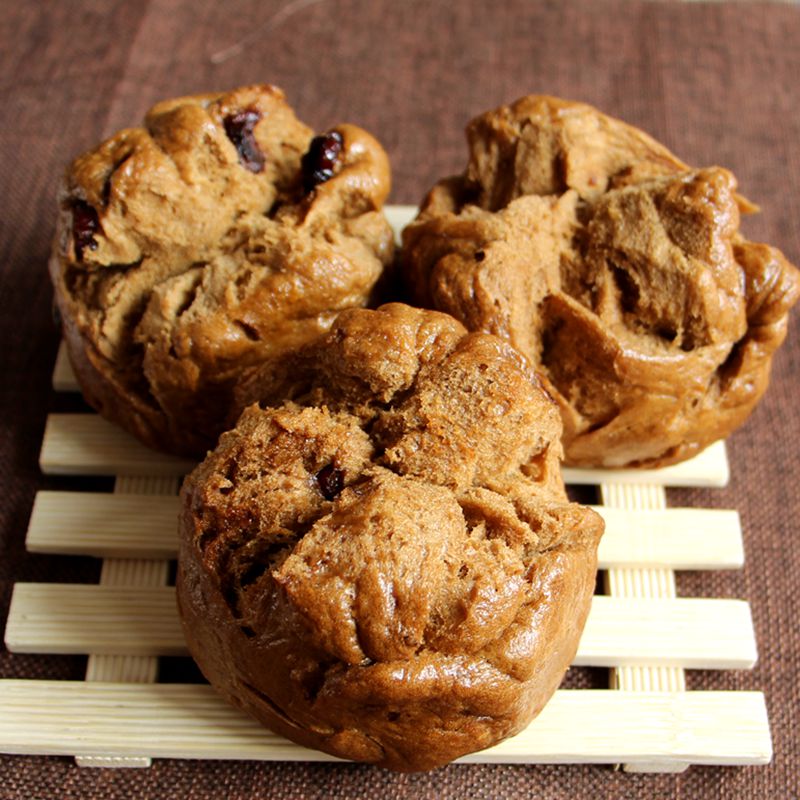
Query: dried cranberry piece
{"points": [[85, 224], [239, 129], [319, 162], [330, 480]]}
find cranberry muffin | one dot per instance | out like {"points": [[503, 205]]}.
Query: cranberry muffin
{"points": [[387, 567], [618, 270], [218, 238]]}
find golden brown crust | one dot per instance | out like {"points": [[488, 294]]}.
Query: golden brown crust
{"points": [[389, 569], [189, 253], [617, 269]]}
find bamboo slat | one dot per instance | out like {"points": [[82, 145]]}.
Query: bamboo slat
{"points": [[86, 444], [399, 217], [134, 526], [103, 525], [78, 618], [190, 721], [673, 538], [707, 469], [71, 618]]}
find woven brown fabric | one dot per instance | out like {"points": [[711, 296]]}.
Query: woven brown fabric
{"points": [[717, 83]]}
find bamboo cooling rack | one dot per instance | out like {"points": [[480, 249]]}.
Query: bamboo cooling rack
{"points": [[121, 716]]}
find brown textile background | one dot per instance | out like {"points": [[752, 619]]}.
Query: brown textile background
{"points": [[718, 83]]}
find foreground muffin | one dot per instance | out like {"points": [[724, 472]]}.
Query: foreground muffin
{"points": [[617, 269], [387, 568], [220, 237]]}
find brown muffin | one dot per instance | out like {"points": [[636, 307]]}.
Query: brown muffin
{"points": [[387, 568], [218, 238], [617, 269]]}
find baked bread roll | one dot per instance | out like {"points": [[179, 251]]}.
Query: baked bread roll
{"points": [[387, 567], [220, 237], [617, 269]]}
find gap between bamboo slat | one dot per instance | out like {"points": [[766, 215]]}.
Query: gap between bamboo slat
{"points": [[190, 721], [124, 572], [87, 444], [138, 526], [700, 633], [647, 584]]}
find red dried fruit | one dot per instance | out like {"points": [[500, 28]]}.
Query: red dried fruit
{"points": [[239, 129], [319, 163], [85, 224], [330, 480]]}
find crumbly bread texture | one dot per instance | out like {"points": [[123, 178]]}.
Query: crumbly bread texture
{"points": [[218, 238], [387, 568], [617, 269]]}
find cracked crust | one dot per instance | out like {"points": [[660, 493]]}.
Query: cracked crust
{"points": [[188, 254], [387, 568], [616, 269]]}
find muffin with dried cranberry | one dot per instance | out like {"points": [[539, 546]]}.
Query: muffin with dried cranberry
{"points": [[616, 268], [217, 239], [388, 568]]}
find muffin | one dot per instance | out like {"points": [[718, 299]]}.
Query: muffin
{"points": [[386, 567], [618, 270], [217, 239]]}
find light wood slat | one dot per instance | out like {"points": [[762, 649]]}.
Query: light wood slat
{"points": [[76, 618], [135, 526], [694, 633], [191, 721], [707, 469], [68, 618], [129, 572], [647, 583], [86, 444], [673, 538], [399, 217], [103, 525]]}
